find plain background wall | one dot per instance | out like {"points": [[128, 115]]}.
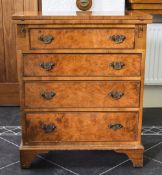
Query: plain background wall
{"points": [[153, 96]]}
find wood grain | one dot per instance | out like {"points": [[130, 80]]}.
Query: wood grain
{"points": [[31, 5], [152, 11], [81, 38], [135, 152], [18, 6], [135, 17], [81, 106], [8, 68], [136, 156], [81, 94], [82, 65], [74, 127], [147, 6], [9, 40], [9, 94], [2, 56]]}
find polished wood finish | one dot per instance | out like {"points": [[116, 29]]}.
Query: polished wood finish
{"points": [[79, 90], [149, 6], [81, 38], [134, 153], [74, 127], [152, 11], [136, 156], [82, 94], [130, 17], [81, 65]]}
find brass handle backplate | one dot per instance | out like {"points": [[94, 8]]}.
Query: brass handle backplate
{"points": [[48, 128], [116, 95], [115, 126], [48, 95], [47, 66], [117, 65], [46, 39], [84, 4], [118, 38]]}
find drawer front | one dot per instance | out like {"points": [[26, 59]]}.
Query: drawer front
{"points": [[81, 126], [81, 94], [82, 38], [82, 65]]}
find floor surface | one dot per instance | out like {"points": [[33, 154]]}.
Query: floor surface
{"points": [[80, 162]]}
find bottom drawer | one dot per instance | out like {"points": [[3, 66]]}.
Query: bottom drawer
{"points": [[81, 126]]}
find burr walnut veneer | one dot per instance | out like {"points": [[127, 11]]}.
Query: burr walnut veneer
{"points": [[81, 82]]}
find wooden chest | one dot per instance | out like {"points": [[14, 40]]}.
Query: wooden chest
{"points": [[81, 82]]}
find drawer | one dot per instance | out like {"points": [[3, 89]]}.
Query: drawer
{"points": [[83, 65], [81, 126], [82, 38], [81, 94]]}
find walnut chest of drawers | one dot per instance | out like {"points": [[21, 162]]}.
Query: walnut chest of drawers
{"points": [[81, 83]]}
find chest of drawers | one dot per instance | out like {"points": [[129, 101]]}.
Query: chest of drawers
{"points": [[81, 83]]}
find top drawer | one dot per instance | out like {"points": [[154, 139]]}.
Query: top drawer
{"points": [[82, 38]]}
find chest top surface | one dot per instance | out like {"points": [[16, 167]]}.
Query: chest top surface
{"points": [[130, 17]]}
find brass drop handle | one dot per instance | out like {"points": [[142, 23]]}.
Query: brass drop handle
{"points": [[115, 126], [118, 38], [47, 66], [117, 65], [48, 95], [48, 128], [46, 39], [116, 95]]}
